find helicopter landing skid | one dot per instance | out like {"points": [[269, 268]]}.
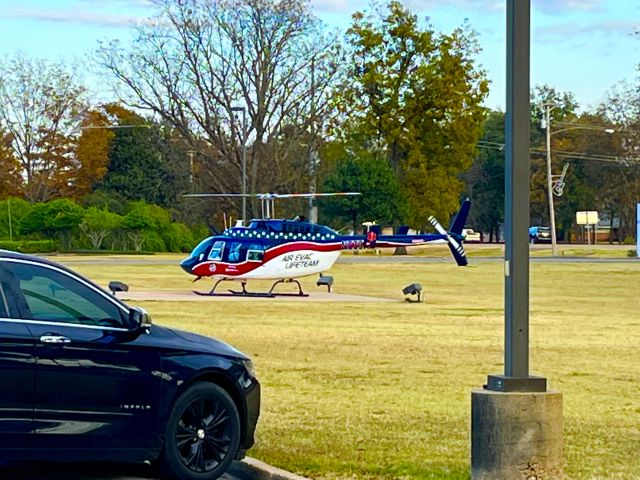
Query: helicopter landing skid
{"points": [[245, 293]]}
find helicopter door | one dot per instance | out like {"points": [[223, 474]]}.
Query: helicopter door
{"points": [[236, 253]]}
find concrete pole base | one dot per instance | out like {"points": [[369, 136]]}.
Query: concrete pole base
{"points": [[516, 435]]}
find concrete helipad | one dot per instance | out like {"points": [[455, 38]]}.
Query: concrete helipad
{"points": [[189, 296]]}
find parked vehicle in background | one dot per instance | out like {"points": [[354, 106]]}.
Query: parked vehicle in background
{"points": [[87, 378], [539, 234], [470, 235]]}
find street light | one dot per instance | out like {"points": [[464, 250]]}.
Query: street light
{"points": [[547, 127], [244, 160]]}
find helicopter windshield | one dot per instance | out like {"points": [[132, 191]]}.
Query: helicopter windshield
{"points": [[216, 251], [201, 248]]}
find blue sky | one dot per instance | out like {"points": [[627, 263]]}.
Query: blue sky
{"points": [[581, 46]]}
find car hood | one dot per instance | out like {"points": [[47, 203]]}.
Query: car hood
{"points": [[178, 339]]}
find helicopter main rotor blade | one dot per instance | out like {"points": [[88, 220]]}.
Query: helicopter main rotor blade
{"points": [[269, 196], [313, 195], [218, 195]]}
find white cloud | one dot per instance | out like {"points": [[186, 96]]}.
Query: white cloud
{"points": [[70, 16], [564, 6], [606, 28], [349, 6], [337, 6]]}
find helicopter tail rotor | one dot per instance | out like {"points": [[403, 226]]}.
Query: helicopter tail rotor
{"points": [[456, 247], [454, 236]]}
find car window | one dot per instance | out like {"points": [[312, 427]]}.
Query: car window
{"points": [[4, 303], [54, 296]]}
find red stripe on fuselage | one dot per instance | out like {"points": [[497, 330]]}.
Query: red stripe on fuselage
{"points": [[296, 246], [224, 269]]}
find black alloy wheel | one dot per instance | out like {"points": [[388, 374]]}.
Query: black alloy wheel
{"points": [[203, 434]]}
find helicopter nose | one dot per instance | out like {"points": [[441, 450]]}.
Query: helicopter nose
{"points": [[187, 265]]}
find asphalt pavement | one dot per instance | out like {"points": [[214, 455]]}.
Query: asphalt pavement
{"points": [[83, 471]]}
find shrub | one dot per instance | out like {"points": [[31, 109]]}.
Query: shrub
{"points": [[152, 242], [178, 238], [29, 246], [97, 224], [19, 209]]}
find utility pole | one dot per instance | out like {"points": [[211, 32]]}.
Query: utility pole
{"points": [[552, 213], [244, 160], [312, 156], [9, 211]]}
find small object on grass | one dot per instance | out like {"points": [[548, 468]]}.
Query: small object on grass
{"points": [[413, 289], [116, 286], [325, 280]]}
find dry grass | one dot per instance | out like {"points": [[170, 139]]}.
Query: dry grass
{"points": [[382, 390]]}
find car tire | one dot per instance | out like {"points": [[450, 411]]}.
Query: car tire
{"points": [[202, 435]]}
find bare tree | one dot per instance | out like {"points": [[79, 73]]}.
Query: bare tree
{"points": [[41, 107], [198, 60]]}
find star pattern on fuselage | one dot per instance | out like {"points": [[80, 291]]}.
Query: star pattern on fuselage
{"points": [[278, 235]]}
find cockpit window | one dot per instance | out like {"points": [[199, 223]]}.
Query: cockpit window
{"points": [[216, 251], [201, 248]]}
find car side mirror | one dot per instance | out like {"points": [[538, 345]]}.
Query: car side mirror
{"points": [[139, 319]]}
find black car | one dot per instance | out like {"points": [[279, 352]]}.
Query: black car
{"points": [[85, 377]]}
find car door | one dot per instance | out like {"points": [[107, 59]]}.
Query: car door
{"points": [[17, 371], [96, 387]]}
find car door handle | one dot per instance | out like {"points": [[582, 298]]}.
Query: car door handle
{"points": [[58, 339]]}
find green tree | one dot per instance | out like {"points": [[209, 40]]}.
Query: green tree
{"points": [[621, 174], [138, 168], [381, 200], [18, 209], [107, 201], [97, 224], [484, 181], [562, 111], [145, 219], [417, 95], [56, 218]]}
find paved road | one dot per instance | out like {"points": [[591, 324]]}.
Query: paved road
{"points": [[347, 259], [88, 471], [350, 259]]}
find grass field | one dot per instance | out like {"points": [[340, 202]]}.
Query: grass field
{"points": [[382, 390]]}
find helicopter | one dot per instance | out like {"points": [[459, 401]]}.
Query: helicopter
{"points": [[285, 250]]}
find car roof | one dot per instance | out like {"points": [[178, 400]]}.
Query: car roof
{"points": [[32, 258]]}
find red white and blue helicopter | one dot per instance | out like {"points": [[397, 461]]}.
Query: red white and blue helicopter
{"points": [[285, 250]]}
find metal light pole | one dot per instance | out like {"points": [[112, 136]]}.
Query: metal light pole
{"points": [[244, 160], [515, 421], [552, 213]]}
